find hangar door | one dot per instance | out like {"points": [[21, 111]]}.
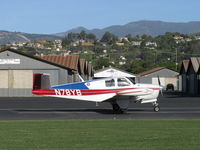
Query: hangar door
{"points": [[16, 82]]}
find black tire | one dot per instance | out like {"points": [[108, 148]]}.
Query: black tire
{"points": [[156, 108], [117, 109]]}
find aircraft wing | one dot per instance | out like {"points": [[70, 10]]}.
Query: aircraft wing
{"points": [[135, 92]]}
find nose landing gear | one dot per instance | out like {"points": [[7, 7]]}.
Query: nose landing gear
{"points": [[156, 106]]}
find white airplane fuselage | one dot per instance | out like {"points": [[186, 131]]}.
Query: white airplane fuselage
{"points": [[118, 90]]}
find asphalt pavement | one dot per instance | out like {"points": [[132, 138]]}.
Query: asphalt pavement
{"points": [[172, 106]]}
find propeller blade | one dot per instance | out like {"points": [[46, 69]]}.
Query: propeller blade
{"points": [[159, 80], [161, 90]]}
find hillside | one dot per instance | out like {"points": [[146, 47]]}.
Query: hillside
{"points": [[9, 37], [153, 28]]}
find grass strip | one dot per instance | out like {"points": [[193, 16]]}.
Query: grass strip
{"points": [[100, 135]]}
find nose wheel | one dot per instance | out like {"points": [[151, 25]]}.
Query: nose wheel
{"points": [[156, 107]]}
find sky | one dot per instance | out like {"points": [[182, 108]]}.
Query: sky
{"points": [[54, 16]]}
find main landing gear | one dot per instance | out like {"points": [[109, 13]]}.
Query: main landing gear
{"points": [[117, 109], [156, 106]]}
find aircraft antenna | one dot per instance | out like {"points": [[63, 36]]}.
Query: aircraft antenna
{"points": [[81, 78]]}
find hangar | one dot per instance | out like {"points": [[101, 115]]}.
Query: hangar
{"points": [[190, 76], [17, 68], [84, 68], [168, 77]]}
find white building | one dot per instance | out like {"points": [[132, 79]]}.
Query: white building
{"points": [[168, 78], [154, 44], [136, 43]]}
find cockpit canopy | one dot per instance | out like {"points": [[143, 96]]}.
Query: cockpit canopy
{"points": [[120, 82]]}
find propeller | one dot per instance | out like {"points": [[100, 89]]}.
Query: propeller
{"points": [[160, 85]]}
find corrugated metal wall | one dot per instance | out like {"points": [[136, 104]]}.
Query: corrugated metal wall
{"points": [[16, 82], [166, 77], [17, 79], [52, 73]]}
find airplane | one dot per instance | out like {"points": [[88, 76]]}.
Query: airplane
{"points": [[119, 91]]}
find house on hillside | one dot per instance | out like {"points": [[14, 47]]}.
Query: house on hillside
{"points": [[168, 78]]}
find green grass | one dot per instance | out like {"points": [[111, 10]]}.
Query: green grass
{"points": [[100, 135]]}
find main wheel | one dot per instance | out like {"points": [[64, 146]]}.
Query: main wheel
{"points": [[156, 108], [117, 109]]}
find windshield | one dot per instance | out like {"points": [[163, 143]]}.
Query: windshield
{"points": [[122, 82], [132, 80]]}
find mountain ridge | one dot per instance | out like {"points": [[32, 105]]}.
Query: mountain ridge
{"points": [[148, 27], [10, 37]]}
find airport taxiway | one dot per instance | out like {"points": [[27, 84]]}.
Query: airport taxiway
{"points": [[46, 108]]}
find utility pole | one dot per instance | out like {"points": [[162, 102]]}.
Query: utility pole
{"points": [[155, 58], [176, 59]]}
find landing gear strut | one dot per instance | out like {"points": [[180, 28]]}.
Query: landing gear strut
{"points": [[156, 107]]}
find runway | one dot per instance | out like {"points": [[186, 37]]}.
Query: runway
{"points": [[45, 108]]}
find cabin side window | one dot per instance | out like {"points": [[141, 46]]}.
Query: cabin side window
{"points": [[122, 82], [110, 83]]}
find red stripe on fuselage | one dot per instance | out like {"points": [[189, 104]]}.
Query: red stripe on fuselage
{"points": [[77, 92]]}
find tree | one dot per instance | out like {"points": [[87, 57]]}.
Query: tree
{"points": [[91, 37], [130, 38], [138, 66], [65, 42], [101, 62], [109, 38], [82, 35], [69, 36], [166, 42]]}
